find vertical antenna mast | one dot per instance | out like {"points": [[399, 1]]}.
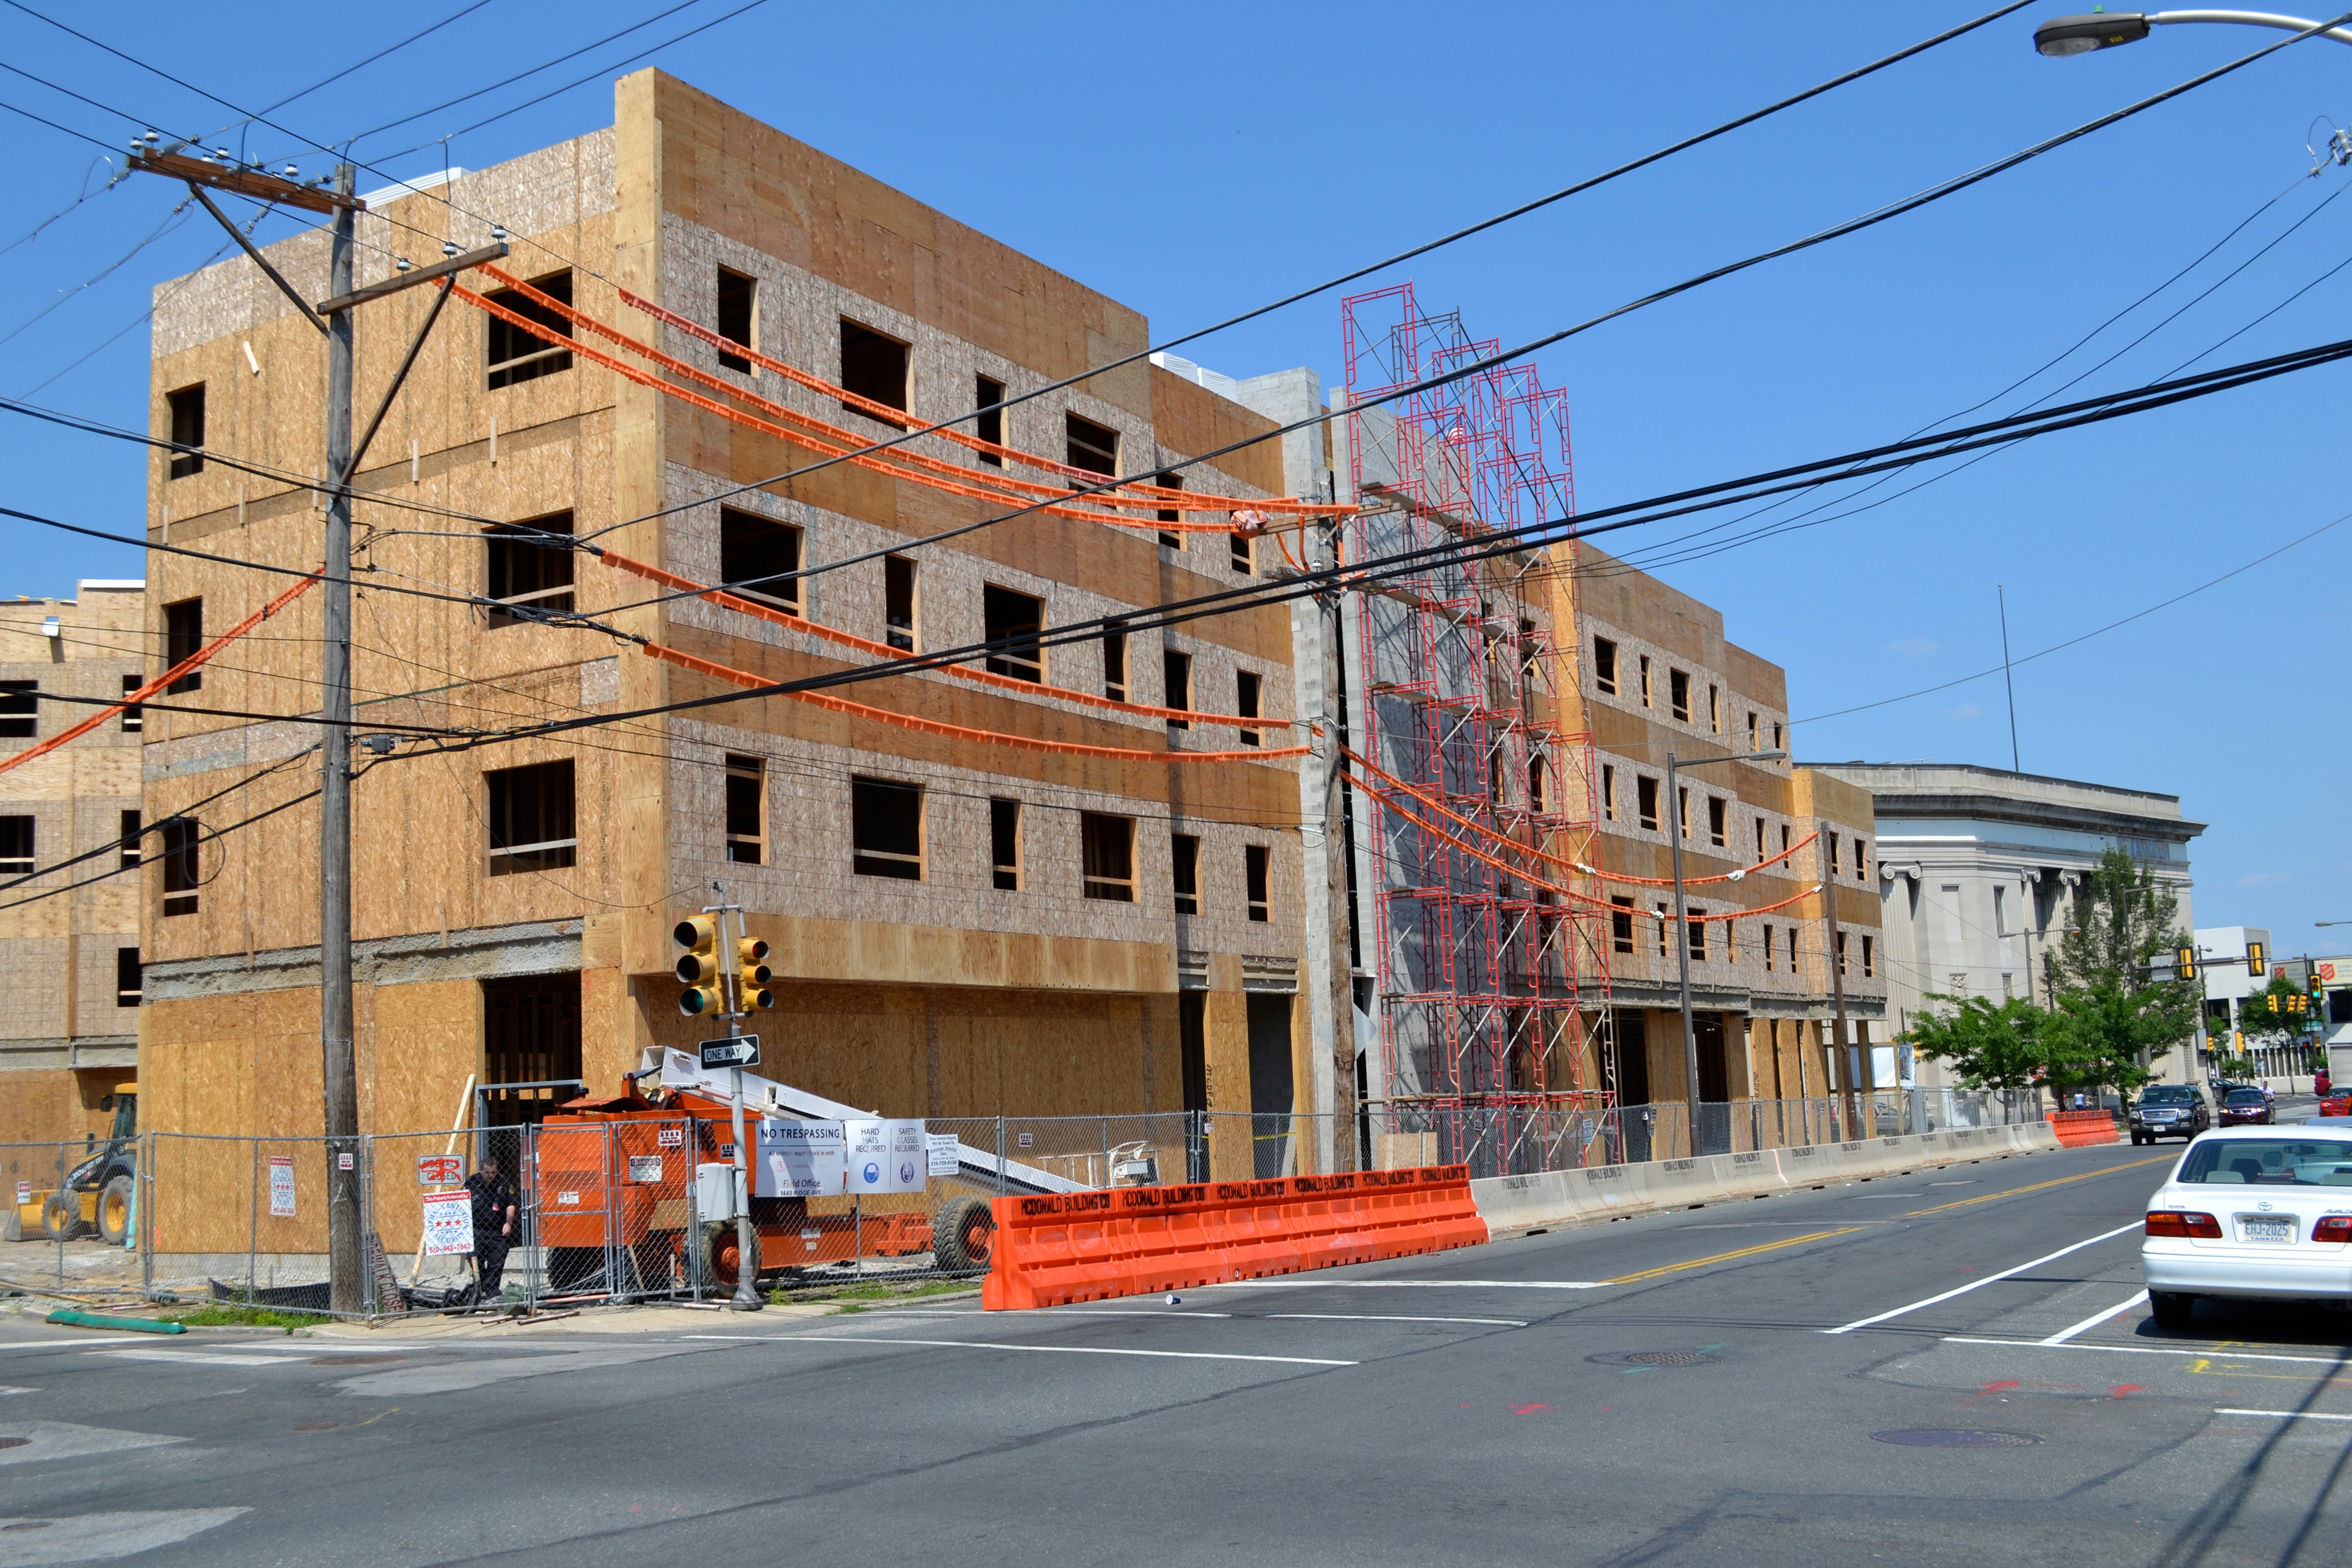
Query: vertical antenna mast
{"points": [[2002, 593]]}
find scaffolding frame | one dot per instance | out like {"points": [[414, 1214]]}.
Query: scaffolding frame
{"points": [[1465, 682]]}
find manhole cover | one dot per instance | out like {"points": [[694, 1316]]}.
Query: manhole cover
{"points": [[357, 1360], [14, 1441], [1954, 1438], [1657, 1358]]}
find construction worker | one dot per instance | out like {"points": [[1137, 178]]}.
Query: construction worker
{"points": [[495, 1217]]}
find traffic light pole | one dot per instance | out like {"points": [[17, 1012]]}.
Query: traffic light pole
{"points": [[747, 1295]]}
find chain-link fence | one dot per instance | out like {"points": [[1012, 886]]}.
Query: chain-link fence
{"points": [[70, 1210], [1522, 1138]]}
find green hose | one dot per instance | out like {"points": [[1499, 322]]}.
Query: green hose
{"points": [[92, 1320]]}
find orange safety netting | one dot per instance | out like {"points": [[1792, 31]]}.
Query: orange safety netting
{"points": [[1151, 494], [1385, 798], [959, 732], [193, 661], [725, 600]]}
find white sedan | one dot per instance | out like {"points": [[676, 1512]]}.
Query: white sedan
{"points": [[2252, 1212]]}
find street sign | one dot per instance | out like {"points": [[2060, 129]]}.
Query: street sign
{"points": [[440, 1170], [735, 1051]]}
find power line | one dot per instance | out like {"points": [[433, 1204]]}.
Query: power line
{"points": [[1932, 194]]}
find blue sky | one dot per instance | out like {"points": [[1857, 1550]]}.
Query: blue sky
{"points": [[1194, 162]]}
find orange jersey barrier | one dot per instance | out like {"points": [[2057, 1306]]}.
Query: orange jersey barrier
{"points": [[1133, 1241], [2081, 1128]]}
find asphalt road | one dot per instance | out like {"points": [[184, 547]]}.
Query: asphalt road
{"points": [[1712, 1385]]}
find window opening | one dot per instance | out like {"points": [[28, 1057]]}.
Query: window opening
{"points": [[1621, 924], [1256, 869], [1768, 949], [987, 394], [128, 981], [134, 718], [515, 355], [1536, 785], [1114, 657], [1004, 844], [1869, 958], [1841, 953], [885, 829], [1694, 929], [1836, 869], [531, 823], [898, 600], [1665, 919], [1678, 694], [758, 557], [1169, 514], [20, 709], [1013, 620], [747, 796], [129, 852], [1184, 863], [523, 574], [1609, 792], [1604, 665], [1716, 822], [1245, 701], [873, 367], [1713, 710], [738, 308], [187, 406], [1108, 847], [1751, 733], [1645, 680], [180, 879], [1645, 801], [15, 846], [1092, 446], [1682, 810], [1242, 551], [1176, 685], [1861, 853], [184, 634]]}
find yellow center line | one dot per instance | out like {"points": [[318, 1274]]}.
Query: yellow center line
{"points": [[1727, 1257], [2062, 1181]]}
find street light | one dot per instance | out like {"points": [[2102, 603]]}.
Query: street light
{"points": [[2063, 36], [1682, 922]]}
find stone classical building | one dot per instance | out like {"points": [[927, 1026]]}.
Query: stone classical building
{"points": [[1978, 868], [69, 970]]}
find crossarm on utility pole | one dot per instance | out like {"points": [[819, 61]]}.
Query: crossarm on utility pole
{"points": [[260, 260], [408, 361]]}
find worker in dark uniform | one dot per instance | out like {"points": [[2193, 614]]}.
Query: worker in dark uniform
{"points": [[495, 1219]]}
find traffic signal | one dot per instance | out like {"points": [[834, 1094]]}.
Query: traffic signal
{"points": [[2184, 961], [697, 967], [752, 976], [2257, 961]]}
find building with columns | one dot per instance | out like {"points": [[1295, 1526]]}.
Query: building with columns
{"points": [[1978, 869]]}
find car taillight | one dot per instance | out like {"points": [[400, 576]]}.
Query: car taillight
{"points": [[2172, 1222], [2333, 1228]]}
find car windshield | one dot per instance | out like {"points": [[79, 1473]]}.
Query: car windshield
{"points": [[2268, 1162], [2167, 1094], [2245, 1097]]}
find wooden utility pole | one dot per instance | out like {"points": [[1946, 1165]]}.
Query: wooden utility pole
{"points": [[1831, 955], [1329, 980], [344, 1220]]}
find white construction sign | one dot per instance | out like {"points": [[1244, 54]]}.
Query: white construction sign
{"points": [[944, 1160], [887, 1156], [449, 1223], [281, 1186], [797, 1158]]}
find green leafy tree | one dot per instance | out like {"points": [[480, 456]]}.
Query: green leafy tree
{"points": [[2110, 981], [1988, 1044], [2269, 1015]]}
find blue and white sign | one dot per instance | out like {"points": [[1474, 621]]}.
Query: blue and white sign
{"points": [[799, 1159], [887, 1156]]}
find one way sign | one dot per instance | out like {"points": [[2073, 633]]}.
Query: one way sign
{"points": [[735, 1051]]}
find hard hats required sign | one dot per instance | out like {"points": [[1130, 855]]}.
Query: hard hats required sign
{"points": [[735, 1051]]}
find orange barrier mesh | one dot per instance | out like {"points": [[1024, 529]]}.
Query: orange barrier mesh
{"points": [[959, 732], [1053, 1250], [725, 600], [193, 661]]}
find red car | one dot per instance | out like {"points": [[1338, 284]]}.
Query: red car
{"points": [[2246, 1107]]}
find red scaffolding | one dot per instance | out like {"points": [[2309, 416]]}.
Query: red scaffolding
{"points": [[1463, 692]]}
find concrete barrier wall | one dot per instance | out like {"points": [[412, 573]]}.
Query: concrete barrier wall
{"points": [[1511, 1203]]}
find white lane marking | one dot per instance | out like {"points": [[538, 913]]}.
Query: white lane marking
{"points": [[66, 1440], [988, 1345], [1296, 1282], [405, 1382], [1385, 1318], [1988, 1279], [2283, 1415], [205, 1358], [2148, 1350], [6, 1391], [1121, 1313], [78, 1342], [2095, 1319], [101, 1537]]}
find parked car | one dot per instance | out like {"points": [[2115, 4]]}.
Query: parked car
{"points": [[2170, 1110], [2253, 1214], [2246, 1107]]}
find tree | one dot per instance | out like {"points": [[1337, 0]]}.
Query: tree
{"points": [[2104, 982], [2272, 1015], [1988, 1044], [2101, 1035]]}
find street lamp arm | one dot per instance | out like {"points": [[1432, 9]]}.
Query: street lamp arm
{"points": [[2251, 19]]}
